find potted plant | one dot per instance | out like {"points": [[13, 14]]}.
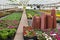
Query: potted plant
{"points": [[29, 33]]}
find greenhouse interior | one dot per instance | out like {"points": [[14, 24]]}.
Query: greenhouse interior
{"points": [[30, 20]]}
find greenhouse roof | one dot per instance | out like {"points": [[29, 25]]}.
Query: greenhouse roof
{"points": [[34, 1], [43, 1]]}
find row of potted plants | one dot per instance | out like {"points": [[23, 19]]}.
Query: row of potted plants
{"points": [[13, 16], [8, 29], [31, 13], [9, 25], [4, 13], [7, 34], [34, 34]]}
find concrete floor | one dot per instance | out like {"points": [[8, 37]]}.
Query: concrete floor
{"points": [[23, 22], [58, 25]]}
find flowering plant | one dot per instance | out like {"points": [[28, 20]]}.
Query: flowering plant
{"points": [[28, 32], [42, 35], [55, 33], [8, 23]]}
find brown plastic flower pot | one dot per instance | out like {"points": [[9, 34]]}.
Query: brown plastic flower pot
{"points": [[43, 22], [36, 23], [49, 21], [53, 13]]}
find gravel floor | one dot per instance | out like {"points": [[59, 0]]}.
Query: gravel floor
{"points": [[58, 25]]}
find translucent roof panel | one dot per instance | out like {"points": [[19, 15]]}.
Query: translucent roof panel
{"points": [[34, 1], [43, 1], [3, 1], [7, 1]]}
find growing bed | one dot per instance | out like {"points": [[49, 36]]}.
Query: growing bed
{"points": [[9, 25], [30, 33], [4, 13], [31, 13]]}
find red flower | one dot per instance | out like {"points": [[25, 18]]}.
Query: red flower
{"points": [[11, 26], [0, 20], [52, 32], [57, 36], [24, 32], [30, 28], [15, 22]]}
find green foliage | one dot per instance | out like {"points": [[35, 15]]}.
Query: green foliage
{"points": [[7, 32], [40, 35], [56, 30], [31, 13], [13, 16], [29, 16], [58, 21], [9, 21], [58, 12]]}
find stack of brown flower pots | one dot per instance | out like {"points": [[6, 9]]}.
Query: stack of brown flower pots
{"points": [[36, 22], [43, 22], [49, 21], [46, 21], [53, 11]]}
